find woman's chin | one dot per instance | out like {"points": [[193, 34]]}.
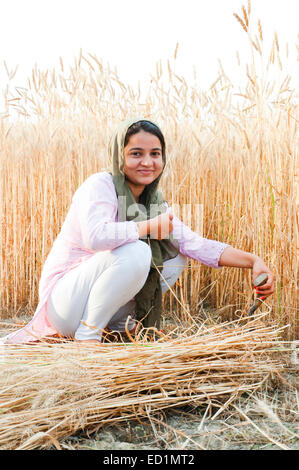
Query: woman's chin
{"points": [[141, 180], [144, 180]]}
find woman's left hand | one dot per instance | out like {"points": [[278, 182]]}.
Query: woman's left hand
{"points": [[258, 268], [241, 259]]}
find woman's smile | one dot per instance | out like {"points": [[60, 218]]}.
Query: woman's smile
{"points": [[145, 172]]}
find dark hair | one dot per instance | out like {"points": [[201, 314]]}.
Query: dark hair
{"points": [[146, 126]]}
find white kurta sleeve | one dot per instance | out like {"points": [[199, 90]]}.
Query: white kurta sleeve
{"points": [[96, 206], [195, 246]]}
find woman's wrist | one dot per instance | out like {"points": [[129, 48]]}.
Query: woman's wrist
{"points": [[143, 228], [233, 257], [255, 258]]}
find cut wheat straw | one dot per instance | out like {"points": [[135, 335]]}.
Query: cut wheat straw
{"points": [[50, 391]]}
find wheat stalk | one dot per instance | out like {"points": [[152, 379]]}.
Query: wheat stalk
{"points": [[245, 16], [260, 30], [241, 22]]}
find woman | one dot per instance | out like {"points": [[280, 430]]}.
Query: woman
{"points": [[118, 236]]}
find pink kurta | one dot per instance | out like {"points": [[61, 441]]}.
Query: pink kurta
{"points": [[92, 225]]}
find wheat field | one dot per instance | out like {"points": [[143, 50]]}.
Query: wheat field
{"points": [[233, 150]]}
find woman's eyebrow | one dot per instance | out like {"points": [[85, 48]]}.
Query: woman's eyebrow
{"points": [[140, 148]]}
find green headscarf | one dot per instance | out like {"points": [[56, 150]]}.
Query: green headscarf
{"points": [[149, 298]]}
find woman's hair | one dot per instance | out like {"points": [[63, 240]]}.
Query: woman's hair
{"points": [[146, 126]]}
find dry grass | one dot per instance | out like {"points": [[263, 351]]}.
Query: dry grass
{"points": [[49, 392]]}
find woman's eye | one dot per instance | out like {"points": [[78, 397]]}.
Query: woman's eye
{"points": [[139, 154]]}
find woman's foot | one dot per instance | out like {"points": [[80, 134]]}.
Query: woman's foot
{"points": [[87, 341]]}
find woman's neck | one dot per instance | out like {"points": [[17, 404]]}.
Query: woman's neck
{"points": [[136, 190]]}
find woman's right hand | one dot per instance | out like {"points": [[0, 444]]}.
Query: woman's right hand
{"points": [[158, 227], [161, 226]]}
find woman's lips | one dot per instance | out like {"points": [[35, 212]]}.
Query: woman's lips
{"points": [[145, 172]]}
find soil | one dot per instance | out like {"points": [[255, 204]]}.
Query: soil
{"points": [[217, 435]]}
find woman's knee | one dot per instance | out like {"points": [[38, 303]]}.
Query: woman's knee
{"points": [[137, 256], [143, 255]]}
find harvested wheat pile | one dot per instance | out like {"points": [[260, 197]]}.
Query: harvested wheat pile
{"points": [[52, 390]]}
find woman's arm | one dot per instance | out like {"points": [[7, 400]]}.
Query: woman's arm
{"points": [[194, 246], [217, 254], [241, 259], [95, 203]]}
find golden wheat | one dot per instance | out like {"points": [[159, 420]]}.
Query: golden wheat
{"points": [[241, 22], [260, 30], [232, 151], [245, 16]]}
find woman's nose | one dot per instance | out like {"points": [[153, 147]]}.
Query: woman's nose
{"points": [[146, 161]]}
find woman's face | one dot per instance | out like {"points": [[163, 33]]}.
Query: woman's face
{"points": [[143, 159]]}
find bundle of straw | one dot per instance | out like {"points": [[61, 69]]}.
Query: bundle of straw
{"points": [[50, 391]]}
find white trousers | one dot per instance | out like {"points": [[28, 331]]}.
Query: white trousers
{"points": [[100, 292]]}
